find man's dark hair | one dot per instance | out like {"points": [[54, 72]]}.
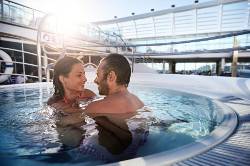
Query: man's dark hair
{"points": [[120, 65]]}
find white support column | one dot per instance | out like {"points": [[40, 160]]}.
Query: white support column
{"points": [[163, 67], [235, 58], [223, 62]]}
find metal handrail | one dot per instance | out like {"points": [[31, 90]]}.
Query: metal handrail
{"points": [[12, 49], [20, 62], [242, 32], [16, 62]]}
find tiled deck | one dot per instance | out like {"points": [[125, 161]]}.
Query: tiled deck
{"points": [[233, 151]]}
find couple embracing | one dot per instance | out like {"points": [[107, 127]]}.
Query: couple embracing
{"points": [[112, 77], [112, 132]]}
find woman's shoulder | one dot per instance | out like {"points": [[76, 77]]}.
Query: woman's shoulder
{"points": [[53, 99]]}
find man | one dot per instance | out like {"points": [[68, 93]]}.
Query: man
{"points": [[113, 76]]}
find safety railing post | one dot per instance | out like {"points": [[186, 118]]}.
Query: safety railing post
{"points": [[39, 56]]}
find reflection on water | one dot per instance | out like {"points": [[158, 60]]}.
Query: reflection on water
{"points": [[114, 138], [104, 137]]}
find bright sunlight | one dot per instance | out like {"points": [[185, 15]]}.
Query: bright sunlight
{"points": [[65, 15]]}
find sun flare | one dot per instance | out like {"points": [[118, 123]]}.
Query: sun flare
{"points": [[66, 15]]}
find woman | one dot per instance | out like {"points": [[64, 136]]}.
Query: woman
{"points": [[69, 79]]}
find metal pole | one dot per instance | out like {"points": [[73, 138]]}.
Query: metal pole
{"points": [[45, 62], [90, 61], [39, 63], [132, 59], [24, 73], [163, 67]]}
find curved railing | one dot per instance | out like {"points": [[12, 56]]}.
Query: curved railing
{"points": [[23, 16], [18, 14], [29, 75], [212, 44]]}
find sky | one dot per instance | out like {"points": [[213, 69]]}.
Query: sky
{"points": [[99, 10]]}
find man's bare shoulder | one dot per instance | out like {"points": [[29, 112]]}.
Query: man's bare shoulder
{"points": [[137, 101], [98, 106], [118, 103]]}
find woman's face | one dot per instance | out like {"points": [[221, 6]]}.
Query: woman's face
{"points": [[76, 79]]}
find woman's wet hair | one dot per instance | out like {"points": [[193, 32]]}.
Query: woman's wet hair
{"points": [[120, 65], [62, 68]]}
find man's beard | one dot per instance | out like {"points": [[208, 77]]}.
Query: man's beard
{"points": [[103, 87]]}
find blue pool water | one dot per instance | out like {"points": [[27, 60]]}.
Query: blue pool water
{"points": [[30, 134]]}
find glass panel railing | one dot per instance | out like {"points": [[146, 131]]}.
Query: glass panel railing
{"points": [[197, 44], [15, 13], [6, 12], [18, 14]]}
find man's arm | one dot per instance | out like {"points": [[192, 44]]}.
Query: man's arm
{"points": [[95, 107], [103, 106]]}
